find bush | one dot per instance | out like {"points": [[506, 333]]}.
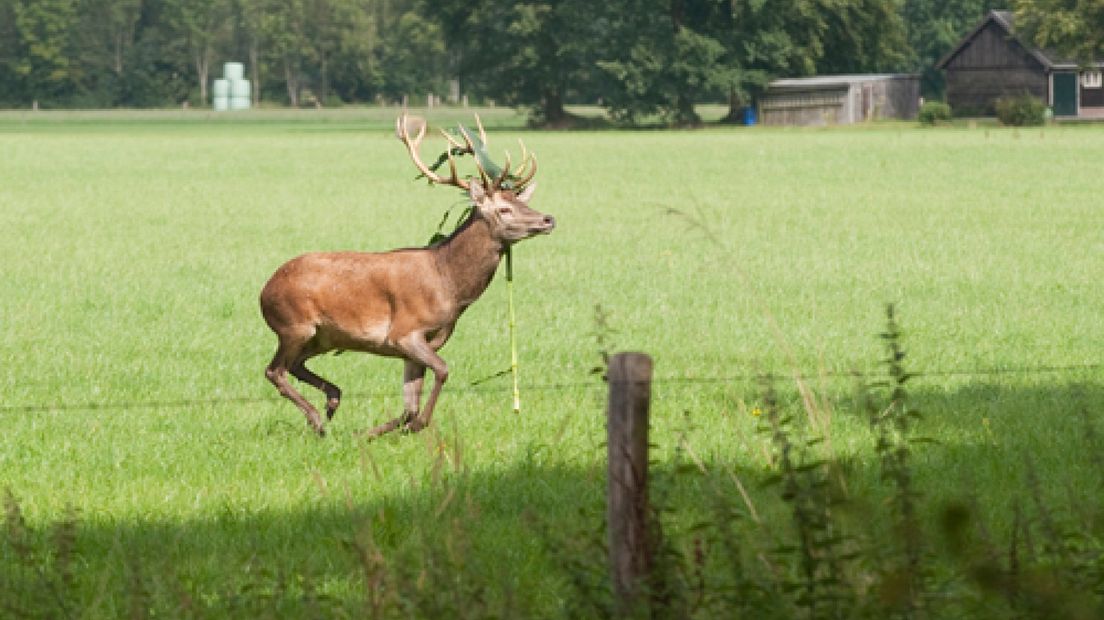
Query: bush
{"points": [[1020, 111], [934, 112]]}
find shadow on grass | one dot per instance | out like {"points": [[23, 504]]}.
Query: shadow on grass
{"points": [[527, 539]]}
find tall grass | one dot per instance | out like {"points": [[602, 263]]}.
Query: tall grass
{"points": [[842, 553]]}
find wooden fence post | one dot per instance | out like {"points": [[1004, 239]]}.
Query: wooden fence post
{"points": [[630, 546]]}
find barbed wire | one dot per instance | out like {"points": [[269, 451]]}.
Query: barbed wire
{"points": [[481, 386]]}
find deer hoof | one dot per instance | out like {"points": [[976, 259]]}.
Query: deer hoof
{"points": [[397, 423]]}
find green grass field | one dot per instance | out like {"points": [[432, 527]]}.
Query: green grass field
{"points": [[134, 246]]}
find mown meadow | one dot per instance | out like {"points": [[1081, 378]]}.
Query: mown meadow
{"points": [[150, 469]]}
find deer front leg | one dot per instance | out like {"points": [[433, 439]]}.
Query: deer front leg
{"points": [[421, 354], [413, 379]]}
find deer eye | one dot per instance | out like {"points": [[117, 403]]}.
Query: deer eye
{"points": [[505, 210]]}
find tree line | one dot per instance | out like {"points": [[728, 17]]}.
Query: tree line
{"points": [[636, 58]]}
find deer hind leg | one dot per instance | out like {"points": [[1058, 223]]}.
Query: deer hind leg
{"points": [[286, 354], [333, 393]]}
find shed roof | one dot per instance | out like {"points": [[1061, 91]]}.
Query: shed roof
{"points": [[835, 81], [1005, 20]]}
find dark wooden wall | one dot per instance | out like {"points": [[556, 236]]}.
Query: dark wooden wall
{"points": [[1092, 97], [992, 65]]}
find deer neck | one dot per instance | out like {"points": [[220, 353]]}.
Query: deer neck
{"points": [[469, 258]]}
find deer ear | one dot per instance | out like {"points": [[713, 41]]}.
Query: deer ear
{"points": [[476, 191], [527, 193]]}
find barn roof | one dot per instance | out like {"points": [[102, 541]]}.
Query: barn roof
{"points": [[1004, 19]]}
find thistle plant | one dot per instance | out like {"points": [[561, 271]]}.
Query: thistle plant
{"points": [[891, 416]]}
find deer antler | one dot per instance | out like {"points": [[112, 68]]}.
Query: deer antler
{"points": [[492, 179], [528, 160], [403, 132], [525, 173]]}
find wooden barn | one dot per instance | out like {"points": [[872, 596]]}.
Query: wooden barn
{"points": [[991, 62], [839, 99]]}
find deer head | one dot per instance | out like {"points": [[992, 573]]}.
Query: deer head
{"points": [[498, 196], [509, 214]]}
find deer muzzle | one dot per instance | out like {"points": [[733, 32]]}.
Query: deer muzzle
{"points": [[544, 227]]}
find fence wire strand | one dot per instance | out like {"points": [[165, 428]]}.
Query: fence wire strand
{"points": [[483, 386]]}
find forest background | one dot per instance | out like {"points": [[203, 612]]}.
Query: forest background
{"points": [[635, 58]]}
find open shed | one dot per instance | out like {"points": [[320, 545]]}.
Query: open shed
{"points": [[991, 62], [840, 99]]}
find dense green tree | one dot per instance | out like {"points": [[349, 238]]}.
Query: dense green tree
{"points": [[157, 65], [283, 28], [43, 36], [1073, 27], [110, 59], [662, 60], [10, 89], [531, 54], [860, 36], [202, 27], [357, 69], [357, 50], [251, 39], [413, 51], [639, 58], [108, 28]]}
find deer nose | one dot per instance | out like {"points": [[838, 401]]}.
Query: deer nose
{"points": [[549, 221]]}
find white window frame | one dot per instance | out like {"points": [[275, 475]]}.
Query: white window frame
{"points": [[1092, 79]]}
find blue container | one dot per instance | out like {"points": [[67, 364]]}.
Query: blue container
{"points": [[749, 115]]}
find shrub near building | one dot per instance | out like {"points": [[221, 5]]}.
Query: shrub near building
{"points": [[1021, 111], [934, 112]]}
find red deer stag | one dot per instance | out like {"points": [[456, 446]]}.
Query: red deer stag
{"points": [[403, 303]]}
